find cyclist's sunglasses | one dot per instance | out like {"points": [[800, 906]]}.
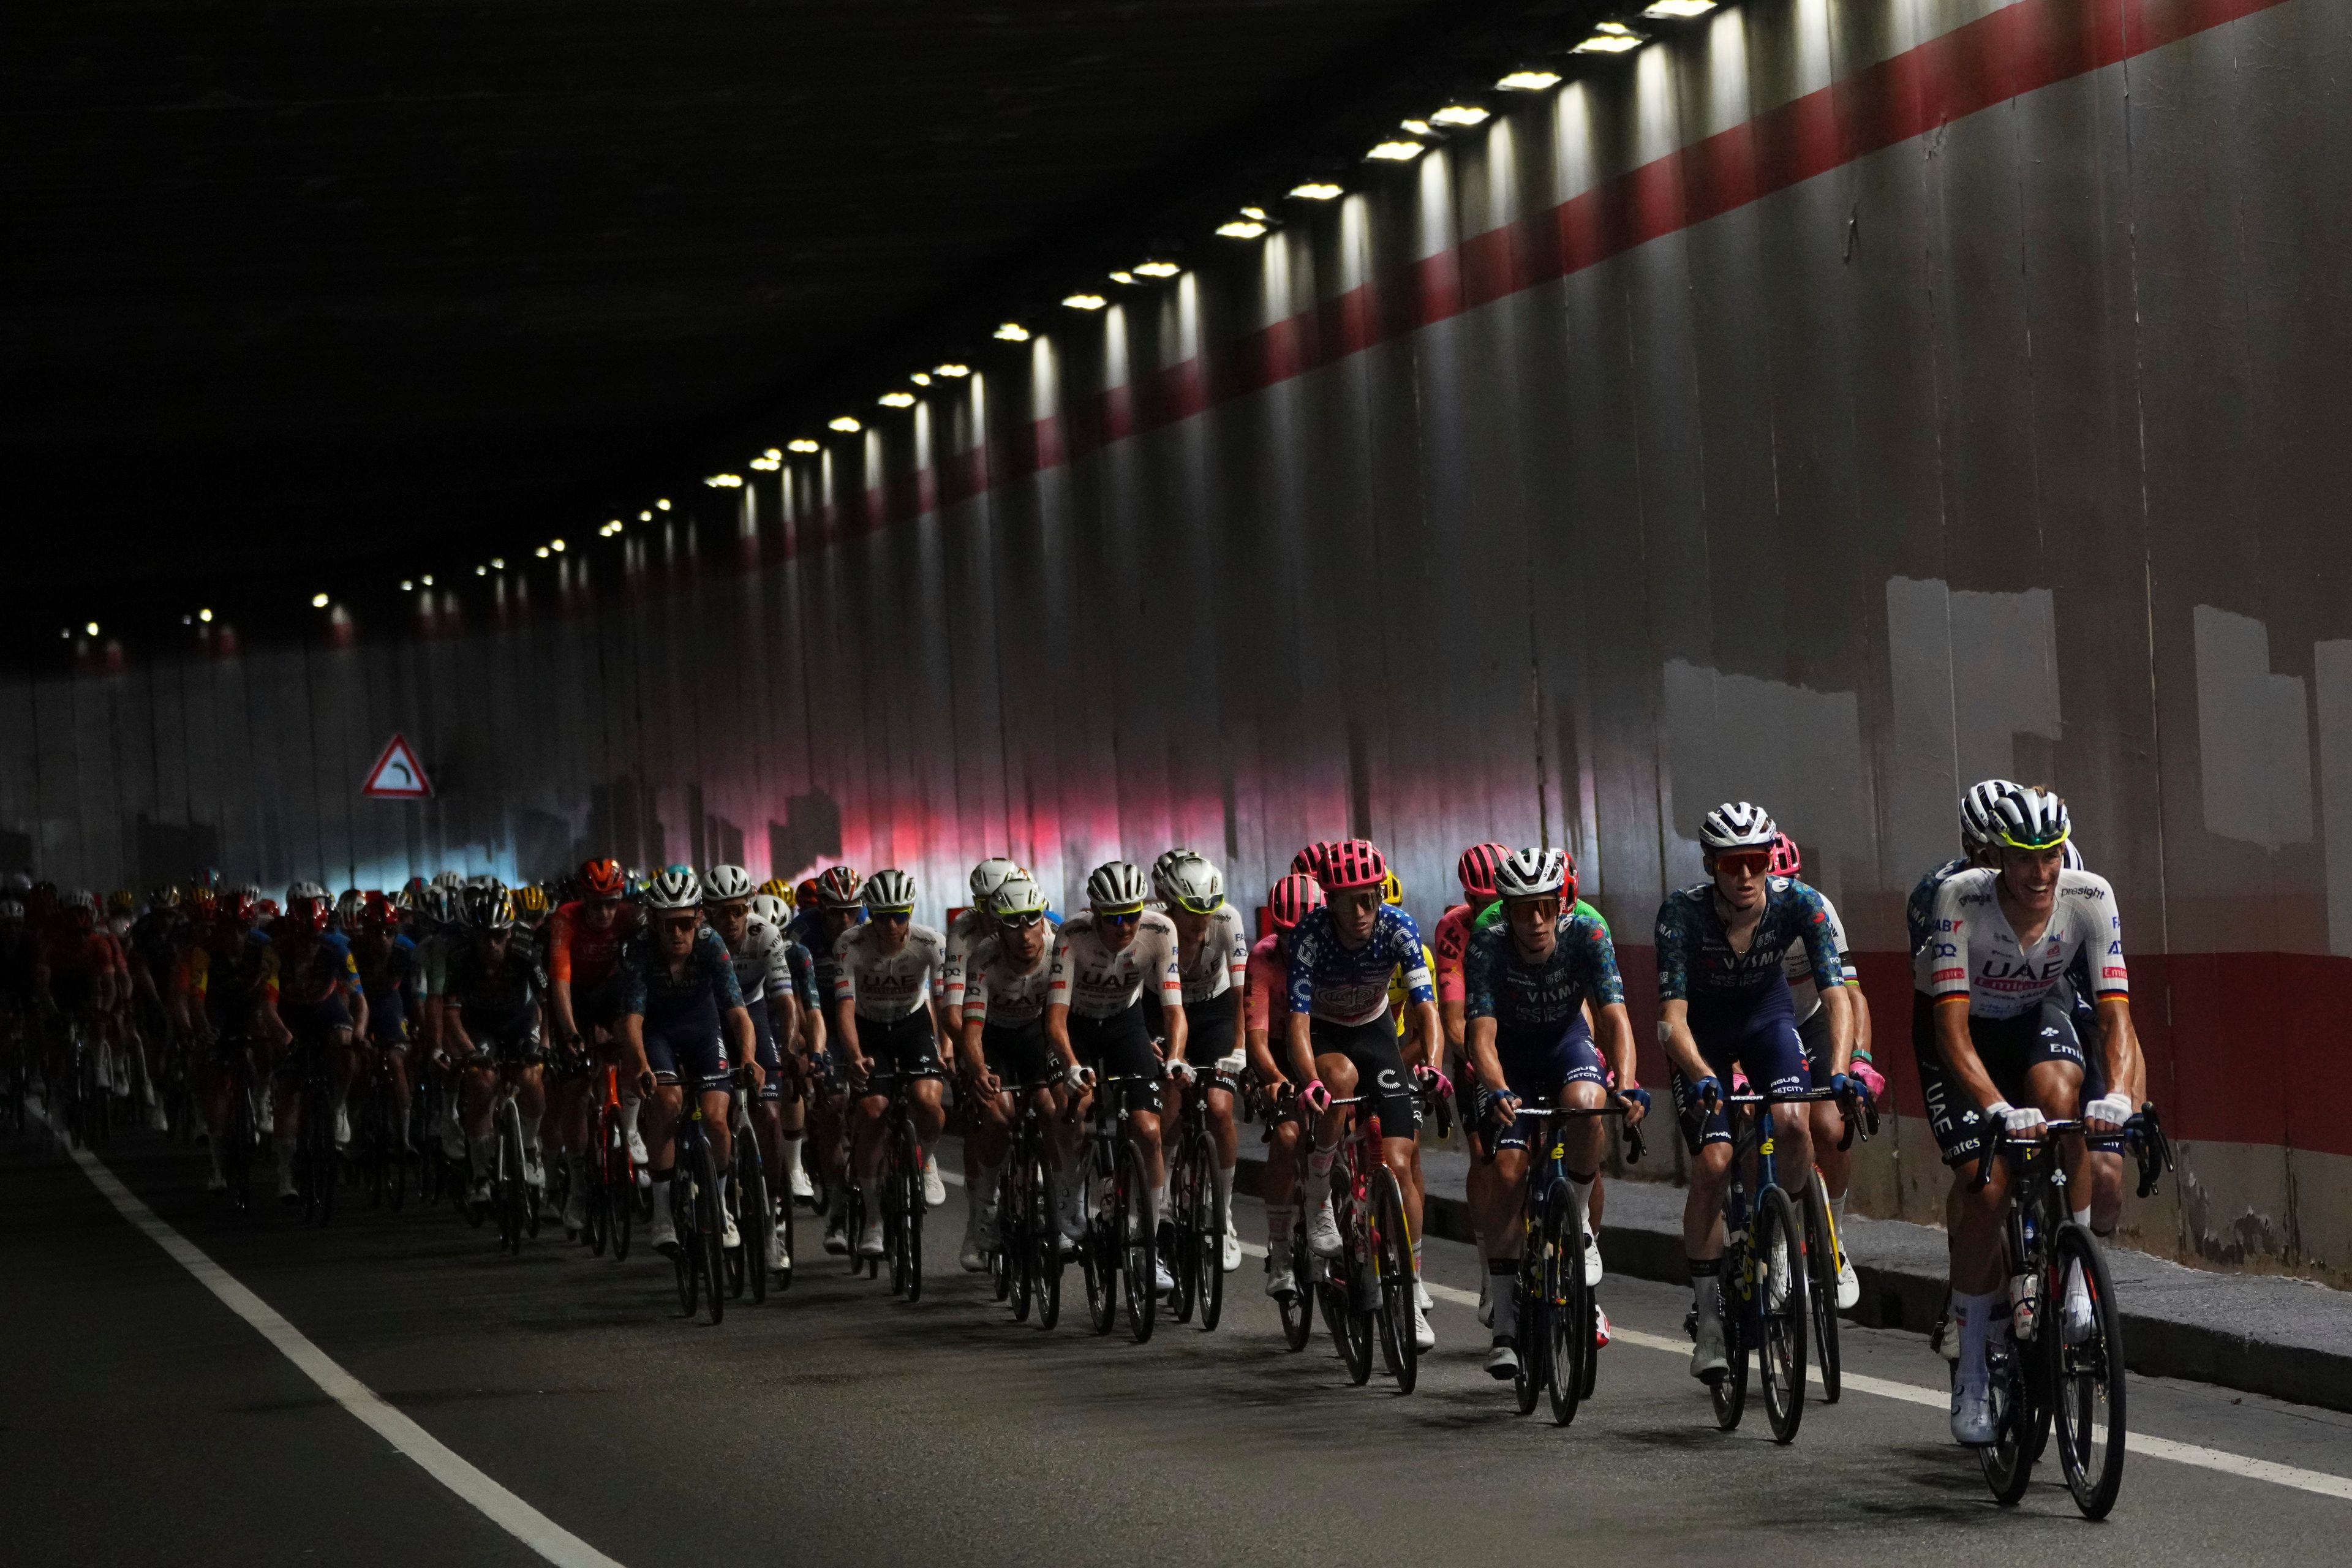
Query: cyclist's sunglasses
{"points": [[1019, 922], [680, 922], [1745, 863], [1118, 917], [891, 917]]}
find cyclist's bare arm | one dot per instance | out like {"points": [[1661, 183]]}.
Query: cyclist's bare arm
{"points": [[1681, 1045]]}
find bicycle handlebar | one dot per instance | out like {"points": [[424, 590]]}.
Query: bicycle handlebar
{"points": [[1635, 1144], [2143, 1135]]}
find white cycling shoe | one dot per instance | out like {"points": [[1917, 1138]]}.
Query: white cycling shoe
{"points": [[1162, 1280], [869, 1239], [1485, 1302], [1424, 1338], [1503, 1361], [575, 1206], [1233, 1255], [804, 1190], [342, 1127], [285, 1192], [836, 1235], [665, 1234], [935, 1188], [1421, 1297], [1974, 1422], [1848, 1284], [1323, 1231], [637, 1149], [973, 1258], [1280, 1281], [1709, 1359], [729, 1237], [1592, 1270]]}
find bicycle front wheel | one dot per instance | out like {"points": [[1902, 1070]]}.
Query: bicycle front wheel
{"points": [[1185, 1261], [1567, 1304], [755, 1218], [1728, 1394], [2086, 1368], [1139, 1241], [1821, 1282], [685, 1256], [1297, 1306], [1391, 1259], [712, 1237], [908, 1182], [2022, 1378], [1044, 1242], [1782, 1305], [1209, 1212]]}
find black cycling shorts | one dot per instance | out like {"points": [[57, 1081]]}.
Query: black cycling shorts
{"points": [[2010, 1049], [1119, 1046], [1017, 1053], [1380, 1076], [899, 1044]]}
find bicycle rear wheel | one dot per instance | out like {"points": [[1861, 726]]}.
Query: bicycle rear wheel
{"points": [[1728, 1393], [2023, 1374], [1533, 1336], [620, 1191], [1782, 1300], [683, 1259], [1821, 1271], [755, 1216], [1392, 1261], [712, 1240], [1012, 1263], [1044, 1233], [1183, 1260], [1568, 1305], [1298, 1308], [1210, 1226], [2086, 1377], [1139, 1240], [513, 1191]]}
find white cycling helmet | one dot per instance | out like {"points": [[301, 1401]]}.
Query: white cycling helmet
{"points": [[768, 907], [1190, 882], [1531, 874], [1159, 869], [889, 891], [722, 883], [2025, 818], [452, 880], [676, 888], [989, 876], [1735, 825], [1116, 887], [1017, 896], [1977, 809]]}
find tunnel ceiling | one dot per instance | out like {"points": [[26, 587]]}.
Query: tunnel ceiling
{"points": [[303, 294]]}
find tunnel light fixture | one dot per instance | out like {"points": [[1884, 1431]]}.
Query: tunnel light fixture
{"points": [[955, 372], [427, 579], [407, 585], [767, 465], [1240, 228], [1611, 38], [1084, 301], [1528, 80], [499, 562], [540, 553], [206, 616], [661, 506], [481, 571], [804, 445], [1317, 191], [1122, 277], [1419, 127], [897, 400], [921, 378], [90, 628], [1013, 333], [556, 545], [1396, 153], [318, 602], [1255, 215], [725, 482], [1157, 270], [1678, 8], [1463, 114], [772, 454], [844, 423]]}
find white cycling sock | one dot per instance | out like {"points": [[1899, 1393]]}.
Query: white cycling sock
{"points": [[1973, 1313], [791, 1149], [982, 1191], [1503, 1290], [1416, 1257], [1837, 1217], [629, 1108], [1277, 1227], [1318, 1168], [2082, 1216], [1581, 1189]]}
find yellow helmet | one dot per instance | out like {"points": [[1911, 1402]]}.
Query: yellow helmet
{"points": [[123, 901], [530, 898], [1391, 890], [777, 887]]}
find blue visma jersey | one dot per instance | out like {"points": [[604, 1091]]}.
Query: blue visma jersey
{"points": [[1502, 984], [1341, 986], [1694, 953]]}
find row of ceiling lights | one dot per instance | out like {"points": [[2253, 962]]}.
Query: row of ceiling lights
{"points": [[1610, 37]]}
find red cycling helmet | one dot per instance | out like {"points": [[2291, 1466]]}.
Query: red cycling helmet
{"points": [[377, 916], [602, 879], [804, 896], [1311, 860], [239, 908], [1476, 869], [1786, 859], [839, 888], [1352, 864], [1290, 899]]}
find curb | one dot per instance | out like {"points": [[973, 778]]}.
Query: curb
{"points": [[1910, 1301]]}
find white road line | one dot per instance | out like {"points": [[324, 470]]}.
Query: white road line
{"points": [[499, 1506], [2203, 1459]]}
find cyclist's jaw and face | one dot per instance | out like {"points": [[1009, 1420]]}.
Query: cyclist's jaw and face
{"points": [[1353, 911], [733, 918], [1535, 925], [1117, 927], [2030, 877], [1740, 877], [1026, 942], [890, 926], [600, 913], [677, 928], [1190, 927]]}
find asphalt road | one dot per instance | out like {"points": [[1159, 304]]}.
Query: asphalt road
{"points": [[142, 1421]]}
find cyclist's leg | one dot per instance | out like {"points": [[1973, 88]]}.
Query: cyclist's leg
{"points": [[1278, 1180], [477, 1093], [1825, 1119], [1501, 1235], [1706, 1138], [1773, 1057]]}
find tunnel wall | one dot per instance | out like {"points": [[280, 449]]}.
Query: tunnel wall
{"points": [[1835, 402]]}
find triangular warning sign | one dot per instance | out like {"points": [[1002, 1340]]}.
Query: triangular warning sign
{"points": [[397, 774]]}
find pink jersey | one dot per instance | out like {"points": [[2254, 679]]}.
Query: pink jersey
{"points": [[1451, 943], [1268, 978]]}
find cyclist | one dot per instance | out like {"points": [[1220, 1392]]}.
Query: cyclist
{"points": [[678, 1001], [584, 939], [764, 977], [806, 1031], [1723, 1001], [1431, 1050], [1528, 983], [1341, 1039], [387, 966], [320, 1004], [73, 979], [493, 996], [965, 932], [826, 906], [1003, 1043], [883, 1018], [531, 911], [226, 973], [2004, 938], [1105, 960], [1212, 955], [1834, 1163], [1267, 992]]}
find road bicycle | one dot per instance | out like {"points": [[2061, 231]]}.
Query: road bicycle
{"points": [[611, 1198], [1025, 1259], [700, 1259], [1198, 1220], [1823, 1248], [1558, 1320], [1367, 1292], [899, 1182], [378, 1150], [1118, 1254], [2053, 1373], [754, 1209], [317, 1161]]}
